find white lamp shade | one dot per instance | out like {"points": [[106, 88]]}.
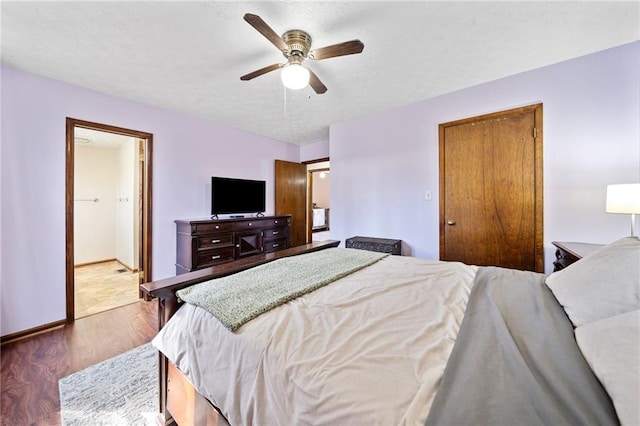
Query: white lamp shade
{"points": [[294, 76], [623, 198]]}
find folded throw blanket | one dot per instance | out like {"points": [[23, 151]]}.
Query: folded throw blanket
{"points": [[240, 297]]}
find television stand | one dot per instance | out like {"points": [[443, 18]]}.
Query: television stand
{"points": [[209, 242]]}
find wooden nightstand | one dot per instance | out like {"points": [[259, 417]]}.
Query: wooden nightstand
{"points": [[568, 253]]}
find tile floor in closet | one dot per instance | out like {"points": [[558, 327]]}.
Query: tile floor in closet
{"points": [[103, 286]]}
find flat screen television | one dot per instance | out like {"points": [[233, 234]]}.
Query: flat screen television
{"points": [[230, 196]]}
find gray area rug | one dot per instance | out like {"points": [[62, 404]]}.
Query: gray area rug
{"points": [[122, 390]]}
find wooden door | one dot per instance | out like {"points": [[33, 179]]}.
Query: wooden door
{"points": [[291, 197], [491, 190]]}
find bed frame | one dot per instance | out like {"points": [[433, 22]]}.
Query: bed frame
{"points": [[179, 401]]}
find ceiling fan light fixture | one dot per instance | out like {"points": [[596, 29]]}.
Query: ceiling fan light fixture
{"points": [[295, 46], [294, 76]]}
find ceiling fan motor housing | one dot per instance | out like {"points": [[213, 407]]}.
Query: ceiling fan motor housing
{"points": [[299, 43]]}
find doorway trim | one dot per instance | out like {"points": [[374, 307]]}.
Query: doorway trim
{"points": [[310, 193], [146, 205]]}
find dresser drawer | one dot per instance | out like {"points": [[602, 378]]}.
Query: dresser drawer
{"points": [[213, 257], [204, 228], [272, 233], [248, 225], [275, 245], [214, 240], [280, 221]]}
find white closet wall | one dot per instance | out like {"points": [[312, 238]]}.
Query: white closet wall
{"points": [[94, 222], [125, 209], [106, 229]]}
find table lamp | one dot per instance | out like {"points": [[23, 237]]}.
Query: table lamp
{"points": [[625, 199]]}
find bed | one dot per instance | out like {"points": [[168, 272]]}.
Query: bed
{"points": [[375, 339]]}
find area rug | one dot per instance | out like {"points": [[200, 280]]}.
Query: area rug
{"points": [[122, 390]]}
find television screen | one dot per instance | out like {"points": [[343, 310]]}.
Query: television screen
{"points": [[230, 196]]}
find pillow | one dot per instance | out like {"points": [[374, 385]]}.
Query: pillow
{"points": [[604, 283], [612, 349]]}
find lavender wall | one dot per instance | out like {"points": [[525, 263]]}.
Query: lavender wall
{"points": [[186, 153], [382, 164], [314, 151]]}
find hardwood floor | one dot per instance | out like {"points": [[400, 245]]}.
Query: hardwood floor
{"points": [[102, 286], [31, 367]]}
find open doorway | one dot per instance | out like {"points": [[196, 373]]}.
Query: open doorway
{"points": [[108, 216], [320, 211], [294, 188]]}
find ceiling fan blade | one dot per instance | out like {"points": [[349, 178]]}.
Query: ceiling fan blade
{"points": [[261, 71], [256, 22], [340, 49], [316, 84]]}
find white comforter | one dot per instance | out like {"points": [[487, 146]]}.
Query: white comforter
{"points": [[369, 349]]}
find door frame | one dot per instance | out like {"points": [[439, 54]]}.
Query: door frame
{"points": [[144, 216], [310, 193], [538, 174]]}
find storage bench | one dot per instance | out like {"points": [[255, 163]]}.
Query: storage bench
{"points": [[382, 245]]}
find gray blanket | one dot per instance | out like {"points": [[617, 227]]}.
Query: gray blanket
{"points": [[240, 297], [516, 362]]}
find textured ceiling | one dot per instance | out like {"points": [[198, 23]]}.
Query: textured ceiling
{"points": [[189, 56], [98, 139]]}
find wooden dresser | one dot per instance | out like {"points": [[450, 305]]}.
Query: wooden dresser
{"points": [[208, 242], [568, 253]]}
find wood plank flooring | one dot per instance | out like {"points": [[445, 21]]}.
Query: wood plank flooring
{"points": [[31, 367]]}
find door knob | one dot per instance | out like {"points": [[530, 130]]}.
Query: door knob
{"points": [[451, 222]]}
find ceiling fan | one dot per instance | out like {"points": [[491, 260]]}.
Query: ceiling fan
{"points": [[295, 45]]}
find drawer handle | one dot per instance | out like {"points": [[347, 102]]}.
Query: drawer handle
{"points": [[275, 221], [250, 224], [276, 245], [451, 222], [275, 232], [215, 257], [215, 241], [217, 226]]}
